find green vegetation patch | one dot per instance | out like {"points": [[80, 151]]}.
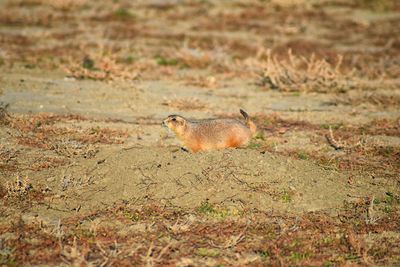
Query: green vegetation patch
{"points": [[216, 212], [124, 14], [208, 252]]}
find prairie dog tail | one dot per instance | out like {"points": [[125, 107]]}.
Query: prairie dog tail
{"points": [[249, 122]]}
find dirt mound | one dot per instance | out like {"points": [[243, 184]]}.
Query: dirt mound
{"points": [[237, 179]]}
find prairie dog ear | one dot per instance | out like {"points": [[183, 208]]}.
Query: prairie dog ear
{"points": [[180, 121]]}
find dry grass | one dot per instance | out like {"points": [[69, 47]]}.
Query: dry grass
{"points": [[356, 150], [368, 158], [8, 158], [252, 239], [198, 46], [4, 116], [377, 99], [302, 74], [389, 127], [17, 189], [103, 65], [40, 131]]}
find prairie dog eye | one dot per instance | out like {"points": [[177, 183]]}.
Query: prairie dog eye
{"points": [[173, 119]]}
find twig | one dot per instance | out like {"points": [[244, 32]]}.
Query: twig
{"points": [[332, 142], [163, 251], [370, 212], [148, 258], [233, 241]]}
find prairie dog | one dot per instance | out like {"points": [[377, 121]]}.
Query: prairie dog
{"points": [[209, 134]]}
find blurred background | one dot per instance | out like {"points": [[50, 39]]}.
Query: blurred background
{"points": [[207, 43]]}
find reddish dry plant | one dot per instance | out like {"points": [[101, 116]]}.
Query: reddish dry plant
{"points": [[387, 127], [49, 162], [358, 152], [34, 122], [253, 238], [273, 123], [39, 131]]}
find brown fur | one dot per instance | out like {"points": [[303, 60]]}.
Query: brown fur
{"points": [[205, 135]]}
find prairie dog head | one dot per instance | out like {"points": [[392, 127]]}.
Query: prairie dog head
{"points": [[176, 123]]}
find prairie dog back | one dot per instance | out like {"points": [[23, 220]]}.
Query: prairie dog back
{"points": [[209, 134], [220, 133]]}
